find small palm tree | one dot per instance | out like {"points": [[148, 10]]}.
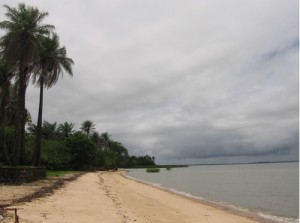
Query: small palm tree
{"points": [[97, 140], [52, 62], [31, 129], [106, 140], [20, 48], [87, 127], [49, 130], [66, 129]]}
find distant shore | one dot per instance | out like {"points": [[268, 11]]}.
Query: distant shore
{"points": [[110, 197]]}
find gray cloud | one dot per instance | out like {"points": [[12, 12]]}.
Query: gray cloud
{"points": [[197, 81]]}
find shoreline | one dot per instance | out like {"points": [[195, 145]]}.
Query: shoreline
{"points": [[112, 197], [266, 218]]}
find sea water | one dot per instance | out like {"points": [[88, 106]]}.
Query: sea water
{"points": [[270, 190]]}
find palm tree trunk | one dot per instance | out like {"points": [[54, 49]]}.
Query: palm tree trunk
{"points": [[4, 98], [19, 116], [22, 144], [38, 138]]}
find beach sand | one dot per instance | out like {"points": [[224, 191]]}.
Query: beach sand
{"points": [[109, 197]]}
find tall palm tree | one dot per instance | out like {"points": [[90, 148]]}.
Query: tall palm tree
{"points": [[66, 129], [52, 62], [87, 126], [19, 47]]}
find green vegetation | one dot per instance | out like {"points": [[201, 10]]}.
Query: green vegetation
{"points": [[153, 170], [52, 60], [53, 173], [20, 52], [77, 150], [30, 51]]}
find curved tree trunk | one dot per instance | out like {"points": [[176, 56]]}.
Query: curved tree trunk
{"points": [[38, 138]]}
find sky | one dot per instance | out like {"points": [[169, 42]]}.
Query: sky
{"points": [[197, 81]]}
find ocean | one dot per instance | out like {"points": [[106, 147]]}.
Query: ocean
{"points": [[270, 190]]}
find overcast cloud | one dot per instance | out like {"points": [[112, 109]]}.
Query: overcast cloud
{"points": [[201, 81]]}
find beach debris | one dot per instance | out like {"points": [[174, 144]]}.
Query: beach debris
{"points": [[11, 209]]}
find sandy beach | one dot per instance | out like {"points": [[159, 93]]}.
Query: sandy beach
{"points": [[110, 197]]}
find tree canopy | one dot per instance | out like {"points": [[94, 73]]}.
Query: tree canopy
{"points": [[30, 50]]}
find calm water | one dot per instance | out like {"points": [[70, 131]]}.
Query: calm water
{"points": [[268, 189]]}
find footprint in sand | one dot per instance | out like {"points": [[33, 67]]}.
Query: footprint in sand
{"points": [[45, 214]]}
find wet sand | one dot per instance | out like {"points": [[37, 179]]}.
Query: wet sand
{"points": [[109, 197]]}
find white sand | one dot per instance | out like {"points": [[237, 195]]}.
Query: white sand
{"points": [[108, 197]]}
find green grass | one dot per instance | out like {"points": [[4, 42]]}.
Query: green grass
{"points": [[152, 170], [58, 173]]}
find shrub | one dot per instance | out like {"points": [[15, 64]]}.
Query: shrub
{"points": [[82, 151], [55, 154], [152, 170]]}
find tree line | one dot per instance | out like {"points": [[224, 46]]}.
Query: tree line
{"points": [[63, 147], [30, 51]]}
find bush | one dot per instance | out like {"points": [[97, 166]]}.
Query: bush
{"points": [[82, 150], [9, 144], [152, 170], [55, 155]]}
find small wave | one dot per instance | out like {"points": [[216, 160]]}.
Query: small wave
{"points": [[185, 194], [278, 219], [144, 182]]}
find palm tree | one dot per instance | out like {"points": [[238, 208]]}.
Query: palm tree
{"points": [[97, 140], [49, 130], [19, 47], [31, 129], [106, 140], [66, 129], [87, 126], [52, 62]]}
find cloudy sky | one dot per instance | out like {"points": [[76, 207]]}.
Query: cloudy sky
{"points": [[198, 81]]}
